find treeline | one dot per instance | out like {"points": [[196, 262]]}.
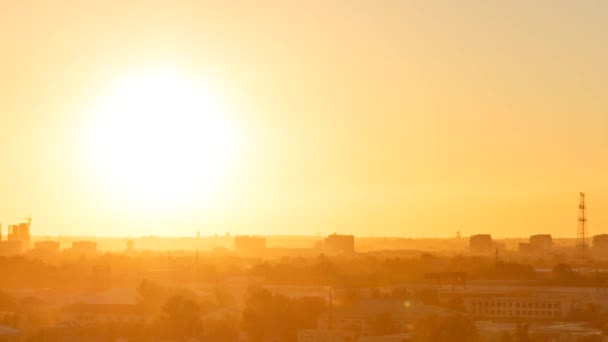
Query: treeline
{"points": [[181, 315], [342, 271], [373, 271]]}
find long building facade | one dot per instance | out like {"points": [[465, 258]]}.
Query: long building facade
{"points": [[517, 307]]}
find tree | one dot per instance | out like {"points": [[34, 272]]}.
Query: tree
{"points": [[180, 318], [268, 315], [445, 329], [383, 324], [222, 329], [151, 296]]}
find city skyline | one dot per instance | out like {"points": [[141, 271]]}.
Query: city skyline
{"points": [[303, 171]]}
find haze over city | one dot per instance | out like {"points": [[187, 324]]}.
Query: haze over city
{"points": [[409, 118], [303, 171]]}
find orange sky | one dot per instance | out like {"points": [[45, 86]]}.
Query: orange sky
{"points": [[409, 118]]}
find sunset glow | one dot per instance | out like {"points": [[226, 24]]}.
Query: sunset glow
{"points": [[303, 171], [159, 139], [405, 118]]}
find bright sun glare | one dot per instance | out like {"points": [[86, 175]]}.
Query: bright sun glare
{"points": [[161, 138]]}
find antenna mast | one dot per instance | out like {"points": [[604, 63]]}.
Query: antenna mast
{"points": [[581, 232]]}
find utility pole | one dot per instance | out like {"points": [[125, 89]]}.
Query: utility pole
{"points": [[330, 308]]}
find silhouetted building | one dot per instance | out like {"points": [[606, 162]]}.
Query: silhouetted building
{"points": [[541, 242], [481, 244], [600, 246], [338, 244], [524, 248], [20, 233], [85, 248], [129, 246], [250, 245], [46, 247]]}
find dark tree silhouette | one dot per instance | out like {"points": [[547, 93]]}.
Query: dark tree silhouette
{"points": [[445, 329], [180, 318], [271, 316], [151, 296], [383, 324]]}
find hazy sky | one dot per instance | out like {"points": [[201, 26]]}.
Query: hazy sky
{"points": [[411, 118]]}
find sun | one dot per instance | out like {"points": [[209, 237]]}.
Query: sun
{"points": [[160, 138]]}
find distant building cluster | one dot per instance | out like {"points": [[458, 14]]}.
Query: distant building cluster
{"points": [[334, 244], [337, 244], [18, 239], [18, 242], [46, 248], [84, 248], [539, 245]]}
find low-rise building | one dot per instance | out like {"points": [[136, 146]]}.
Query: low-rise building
{"points": [[337, 244], [82, 313], [326, 336], [46, 247], [529, 308], [84, 248], [539, 331], [388, 338], [360, 317]]}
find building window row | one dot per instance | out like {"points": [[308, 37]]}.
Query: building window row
{"points": [[516, 305], [538, 313]]}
